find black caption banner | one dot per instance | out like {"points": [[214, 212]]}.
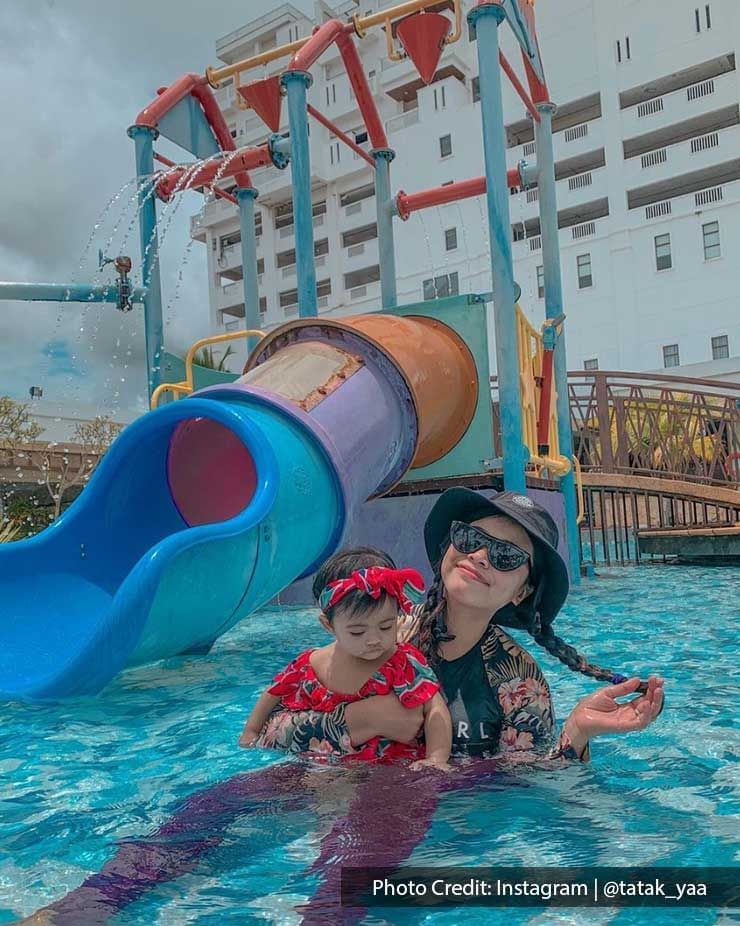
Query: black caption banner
{"points": [[541, 887]]}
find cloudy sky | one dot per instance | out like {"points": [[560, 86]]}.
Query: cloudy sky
{"points": [[74, 74]]}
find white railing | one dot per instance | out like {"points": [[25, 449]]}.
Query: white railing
{"points": [[323, 302], [580, 181], [402, 121], [697, 91], [288, 272], [704, 142], [706, 197], [578, 131], [320, 261], [355, 250], [358, 292], [584, 230], [653, 158], [650, 107], [353, 209], [658, 210], [533, 195], [286, 231], [535, 244], [529, 148], [318, 220]]}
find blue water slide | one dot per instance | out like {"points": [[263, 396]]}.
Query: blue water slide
{"points": [[199, 513]]}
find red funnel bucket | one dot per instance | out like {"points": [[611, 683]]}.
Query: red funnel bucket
{"points": [[422, 36], [265, 99]]}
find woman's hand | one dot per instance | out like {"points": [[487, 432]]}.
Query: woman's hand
{"points": [[440, 764], [383, 715], [600, 714]]}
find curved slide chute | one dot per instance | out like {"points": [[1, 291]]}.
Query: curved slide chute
{"points": [[205, 509]]}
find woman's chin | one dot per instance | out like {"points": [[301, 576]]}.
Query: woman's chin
{"points": [[467, 591]]}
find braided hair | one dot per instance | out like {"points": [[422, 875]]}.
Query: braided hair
{"points": [[525, 616]]}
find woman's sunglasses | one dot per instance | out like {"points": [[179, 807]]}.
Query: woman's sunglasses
{"points": [[502, 554]]}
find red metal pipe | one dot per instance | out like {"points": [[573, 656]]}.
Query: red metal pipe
{"points": [[246, 160], [543, 422], [323, 36], [538, 90], [219, 193], [197, 86], [327, 123], [518, 86], [363, 94], [340, 33], [406, 203]]}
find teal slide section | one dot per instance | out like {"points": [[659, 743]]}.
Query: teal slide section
{"points": [[119, 578]]}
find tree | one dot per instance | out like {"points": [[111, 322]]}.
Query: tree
{"points": [[205, 358], [65, 466], [16, 425]]}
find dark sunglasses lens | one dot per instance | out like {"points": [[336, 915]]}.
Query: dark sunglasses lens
{"points": [[502, 555]]}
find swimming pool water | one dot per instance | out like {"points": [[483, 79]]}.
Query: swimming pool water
{"points": [[78, 777]]}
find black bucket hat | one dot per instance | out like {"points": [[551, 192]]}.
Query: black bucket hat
{"points": [[550, 570]]}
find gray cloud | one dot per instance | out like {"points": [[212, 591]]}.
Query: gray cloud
{"points": [[75, 74]]}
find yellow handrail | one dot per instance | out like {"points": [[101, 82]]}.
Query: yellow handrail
{"points": [[530, 353], [186, 386], [579, 489], [361, 24]]}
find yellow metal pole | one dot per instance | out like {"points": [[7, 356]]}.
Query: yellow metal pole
{"points": [[360, 23], [186, 386]]}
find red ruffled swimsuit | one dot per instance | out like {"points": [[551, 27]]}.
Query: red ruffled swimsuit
{"points": [[406, 674]]}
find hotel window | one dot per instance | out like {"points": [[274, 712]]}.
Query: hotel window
{"points": [[710, 234], [592, 364], [720, 347], [362, 277], [440, 100], [288, 298], [263, 305], [445, 146], [663, 258], [707, 18], [450, 239], [585, 278], [624, 51], [438, 287], [670, 355], [540, 282]]}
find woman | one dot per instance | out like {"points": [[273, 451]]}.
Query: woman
{"points": [[495, 564]]}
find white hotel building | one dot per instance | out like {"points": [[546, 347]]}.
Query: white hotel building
{"points": [[647, 150]]}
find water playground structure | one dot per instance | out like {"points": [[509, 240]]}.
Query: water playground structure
{"points": [[216, 500]]}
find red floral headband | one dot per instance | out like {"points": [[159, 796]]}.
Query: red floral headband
{"points": [[405, 585]]}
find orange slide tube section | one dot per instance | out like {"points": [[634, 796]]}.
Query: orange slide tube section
{"points": [[440, 371]]}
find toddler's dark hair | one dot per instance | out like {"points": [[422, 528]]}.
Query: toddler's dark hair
{"points": [[341, 566]]}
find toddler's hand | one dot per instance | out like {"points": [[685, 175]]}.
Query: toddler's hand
{"points": [[439, 764], [248, 738]]}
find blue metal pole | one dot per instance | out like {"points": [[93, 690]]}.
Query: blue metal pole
{"points": [[296, 83], [486, 20], [60, 292], [143, 137], [384, 211], [245, 197], [553, 308]]}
